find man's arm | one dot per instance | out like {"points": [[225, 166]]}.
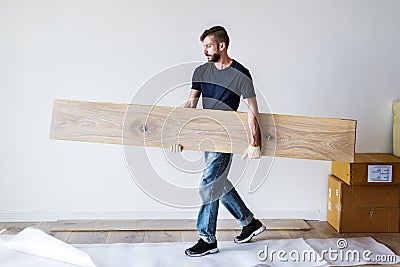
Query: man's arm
{"points": [[193, 99], [190, 103], [254, 149], [252, 111]]}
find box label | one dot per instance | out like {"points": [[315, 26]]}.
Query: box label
{"points": [[380, 173]]}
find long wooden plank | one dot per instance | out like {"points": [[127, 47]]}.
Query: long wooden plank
{"points": [[16, 227], [189, 236], [208, 130], [226, 235], [162, 236], [87, 238], [125, 237], [166, 225]]}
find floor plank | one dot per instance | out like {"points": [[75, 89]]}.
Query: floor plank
{"points": [[46, 226], [123, 225], [2, 225], [162, 236], [63, 236], [325, 229], [168, 225], [226, 235], [16, 227], [313, 233], [87, 238], [285, 224], [272, 234], [189, 236], [125, 237]]}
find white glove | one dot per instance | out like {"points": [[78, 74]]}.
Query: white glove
{"points": [[253, 152], [176, 148]]}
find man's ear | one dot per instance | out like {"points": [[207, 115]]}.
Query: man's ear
{"points": [[222, 46]]}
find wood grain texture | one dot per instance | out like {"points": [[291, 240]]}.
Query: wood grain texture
{"points": [[205, 130], [325, 229], [226, 235], [268, 234], [125, 237], [167, 225], [189, 236], [87, 237], [16, 227], [63, 236], [162, 236], [123, 225]]}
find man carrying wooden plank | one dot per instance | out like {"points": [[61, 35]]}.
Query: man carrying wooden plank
{"points": [[221, 81]]}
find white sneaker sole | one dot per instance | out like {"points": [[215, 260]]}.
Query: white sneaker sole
{"points": [[255, 233], [212, 251]]}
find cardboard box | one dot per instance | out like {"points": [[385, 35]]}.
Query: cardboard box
{"points": [[362, 208], [396, 128], [369, 169]]}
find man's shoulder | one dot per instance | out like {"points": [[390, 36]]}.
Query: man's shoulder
{"points": [[238, 66], [201, 72], [203, 66]]}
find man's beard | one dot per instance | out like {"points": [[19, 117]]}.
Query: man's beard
{"points": [[214, 57]]}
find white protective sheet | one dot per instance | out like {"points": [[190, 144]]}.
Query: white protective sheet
{"points": [[37, 244], [172, 254], [353, 251]]}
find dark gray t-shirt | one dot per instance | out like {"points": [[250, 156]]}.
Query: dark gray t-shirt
{"points": [[221, 89]]}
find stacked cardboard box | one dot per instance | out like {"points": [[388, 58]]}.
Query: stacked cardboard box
{"points": [[364, 196], [396, 128]]}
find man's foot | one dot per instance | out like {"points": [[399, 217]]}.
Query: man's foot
{"points": [[202, 248], [255, 227]]}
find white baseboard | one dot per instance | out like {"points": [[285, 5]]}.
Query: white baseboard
{"points": [[54, 216]]}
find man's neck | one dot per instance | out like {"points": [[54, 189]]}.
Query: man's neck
{"points": [[224, 62]]}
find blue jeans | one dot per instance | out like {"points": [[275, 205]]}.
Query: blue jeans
{"points": [[215, 186]]}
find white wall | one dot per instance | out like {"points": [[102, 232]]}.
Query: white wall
{"points": [[336, 58]]}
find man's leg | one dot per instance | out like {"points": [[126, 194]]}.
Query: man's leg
{"points": [[211, 188], [235, 205], [244, 217]]}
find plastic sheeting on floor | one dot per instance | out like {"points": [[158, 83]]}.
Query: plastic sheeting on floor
{"points": [[274, 252], [34, 244]]}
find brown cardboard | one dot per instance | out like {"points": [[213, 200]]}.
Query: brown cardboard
{"points": [[356, 173], [396, 128], [361, 208]]}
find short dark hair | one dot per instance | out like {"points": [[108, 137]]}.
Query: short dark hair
{"points": [[218, 32]]}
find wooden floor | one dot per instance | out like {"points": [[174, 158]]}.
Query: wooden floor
{"points": [[318, 230]]}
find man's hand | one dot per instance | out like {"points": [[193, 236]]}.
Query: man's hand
{"points": [[253, 152], [176, 148]]}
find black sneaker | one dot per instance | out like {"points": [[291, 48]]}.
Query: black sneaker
{"points": [[202, 248], [255, 227]]}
